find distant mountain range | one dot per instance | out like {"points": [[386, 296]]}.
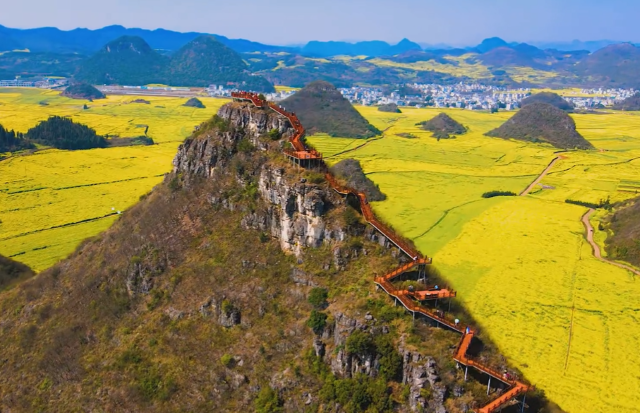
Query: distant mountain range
{"points": [[129, 60], [86, 41], [141, 56]]}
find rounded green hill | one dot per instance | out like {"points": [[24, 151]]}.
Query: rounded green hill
{"points": [[443, 126], [194, 103], [322, 109], [541, 122], [83, 91], [549, 98], [389, 107]]}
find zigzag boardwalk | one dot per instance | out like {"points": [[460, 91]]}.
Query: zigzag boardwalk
{"points": [[408, 298]]}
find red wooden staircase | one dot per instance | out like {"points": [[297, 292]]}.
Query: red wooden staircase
{"points": [[409, 299]]}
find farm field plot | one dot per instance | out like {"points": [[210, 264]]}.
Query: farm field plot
{"points": [[591, 176], [52, 200], [432, 185], [521, 264], [526, 273]]}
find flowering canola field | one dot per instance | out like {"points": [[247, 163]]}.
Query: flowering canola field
{"points": [[521, 264], [50, 201]]}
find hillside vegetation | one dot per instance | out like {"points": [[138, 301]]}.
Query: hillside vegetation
{"points": [[624, 233], [194, 103], [322, 108], [64, 133], [541, 122], [129, 60], [549, 98], [612, 66], [351, 172], [630, 104], [443, 126], [82, 91], [389, 107]]}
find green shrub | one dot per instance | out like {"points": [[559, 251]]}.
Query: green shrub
{"points": [[245, 146], [317, 321], [268, 401], [360, 342], [492, 194], [315, 177], [227, 307], [390, 359], [275, 134], [318, 297], [227, 360], [351, 217], [357, 395]]}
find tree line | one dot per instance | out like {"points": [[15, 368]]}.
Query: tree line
{"points": [[57, 131], [11, 141]]}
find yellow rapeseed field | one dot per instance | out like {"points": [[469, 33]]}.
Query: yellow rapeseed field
{"points": [[50, 201], [521, 264]]}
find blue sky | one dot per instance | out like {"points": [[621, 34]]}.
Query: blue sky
{"points": [[458, 22]]}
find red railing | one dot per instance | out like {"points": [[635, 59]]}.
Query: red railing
{"points": [[301, 151]]}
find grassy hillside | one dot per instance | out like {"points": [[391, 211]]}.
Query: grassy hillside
{"points": [[390, 108], [127, 60], [350, 171], [443, 125], [549, 98], [541, 122], [322, 108], [624, 232], [82, 91], [613, 66], [205, 61]]}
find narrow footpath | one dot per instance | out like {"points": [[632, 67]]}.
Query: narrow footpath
{"points": [[540, 177], [586, 220], [410, 299]]}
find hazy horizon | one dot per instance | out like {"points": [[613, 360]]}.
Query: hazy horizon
{"points": [[457, 23]]}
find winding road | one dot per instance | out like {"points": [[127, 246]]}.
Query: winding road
{"points": [[596, 248]]}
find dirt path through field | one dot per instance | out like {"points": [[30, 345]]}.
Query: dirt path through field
{"points": [[539, 178], [596, 248]]}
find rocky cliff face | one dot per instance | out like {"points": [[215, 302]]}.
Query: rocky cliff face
{"points": [[419, 372], [295, 212], [199, 155]]}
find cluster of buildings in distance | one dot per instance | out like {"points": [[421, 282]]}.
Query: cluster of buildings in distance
{"points": [[45, 83], [474, 96]]}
